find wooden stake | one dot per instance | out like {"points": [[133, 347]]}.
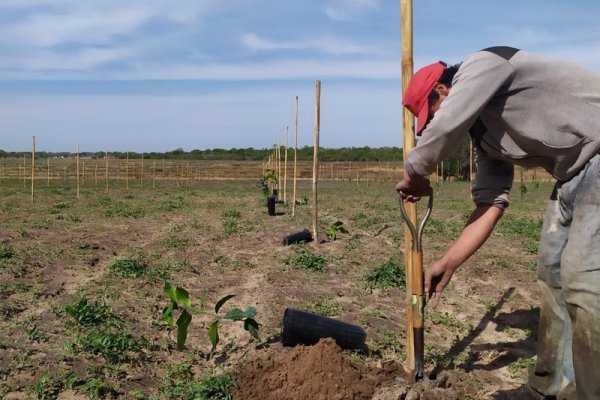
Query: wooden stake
{"points": [[106, 171], [48, 174], [77, 171], [153, 174], [142, 173], [409, 143], [33, 170], [285, 168], [278, 168], [127, 171], [316, 158], [295, 158]]}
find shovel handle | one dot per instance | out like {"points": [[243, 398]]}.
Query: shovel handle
{"points": [[417, 298], [417, 231]]}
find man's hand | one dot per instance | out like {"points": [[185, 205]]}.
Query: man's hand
{"points": [[437, 277], [411, 189]]}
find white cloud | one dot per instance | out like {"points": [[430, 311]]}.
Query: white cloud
{"points": [[81, 60], [326, 45], [82, 26], [351, 10]]}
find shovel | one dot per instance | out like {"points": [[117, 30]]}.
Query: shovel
{"points": [[417, 298]]}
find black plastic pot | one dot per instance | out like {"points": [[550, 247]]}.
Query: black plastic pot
{"points": [[271, 204], [304, 236], [301, 327]]}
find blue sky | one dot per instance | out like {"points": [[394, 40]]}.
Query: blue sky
{"points": [[158, 75]]}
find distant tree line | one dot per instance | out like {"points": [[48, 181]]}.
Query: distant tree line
{"points": [[456, 165], [246, 154]]}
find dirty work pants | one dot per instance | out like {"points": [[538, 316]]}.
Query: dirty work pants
{"points": [[568, 352]]}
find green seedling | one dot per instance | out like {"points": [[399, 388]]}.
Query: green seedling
{"points": [[235, 314], [180, 300], [270, 176], [334, 229]]}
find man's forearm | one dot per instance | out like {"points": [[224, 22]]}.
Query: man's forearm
{"points": [[478, 229]]}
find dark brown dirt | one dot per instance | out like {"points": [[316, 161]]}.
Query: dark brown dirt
{"points": [[319, 372]]}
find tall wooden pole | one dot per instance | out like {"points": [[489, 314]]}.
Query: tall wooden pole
{"points": [[142, 173], [48, 172], [295, 158], [127, 170], [33, 170], [285, 167], [77, 171], [406, 14], [316, 158], [106, 171]]}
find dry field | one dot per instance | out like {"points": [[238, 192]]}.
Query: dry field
{"points": [[82, 298]]}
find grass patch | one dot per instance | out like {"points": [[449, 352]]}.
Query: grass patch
{"points": [[515, 368], [112, 344], [180, 383], [443, 318], [89, 313], [446, 227], [363, 221], [302, 258], [129, 268], [527, 229], [121, 209], [49, 388], [58, 208], [324, 306], [386, 275], [173, 242], [6, 252]]}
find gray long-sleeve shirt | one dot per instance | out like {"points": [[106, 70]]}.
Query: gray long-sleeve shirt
{"points": [[536, 112]]}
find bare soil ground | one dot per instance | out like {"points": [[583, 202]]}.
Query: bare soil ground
{"points": [[76, 323]]}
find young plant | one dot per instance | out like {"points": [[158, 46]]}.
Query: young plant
{"points": [[334, 229], [180, 300], [235, 314], [270, 176]]}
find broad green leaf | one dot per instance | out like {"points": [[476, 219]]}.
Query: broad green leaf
{"points": [[252, 327], [170, 291], [183, 297], [182, 328], [222, 301], [213, 335], [168, 314], [237, 315]]}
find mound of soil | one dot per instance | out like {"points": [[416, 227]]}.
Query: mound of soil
{"points": [[319, 372]]}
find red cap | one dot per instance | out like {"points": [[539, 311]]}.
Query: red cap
{"points": [[415, 96]]}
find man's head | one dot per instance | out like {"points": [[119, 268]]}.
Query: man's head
{"points": [[427, 89]]}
